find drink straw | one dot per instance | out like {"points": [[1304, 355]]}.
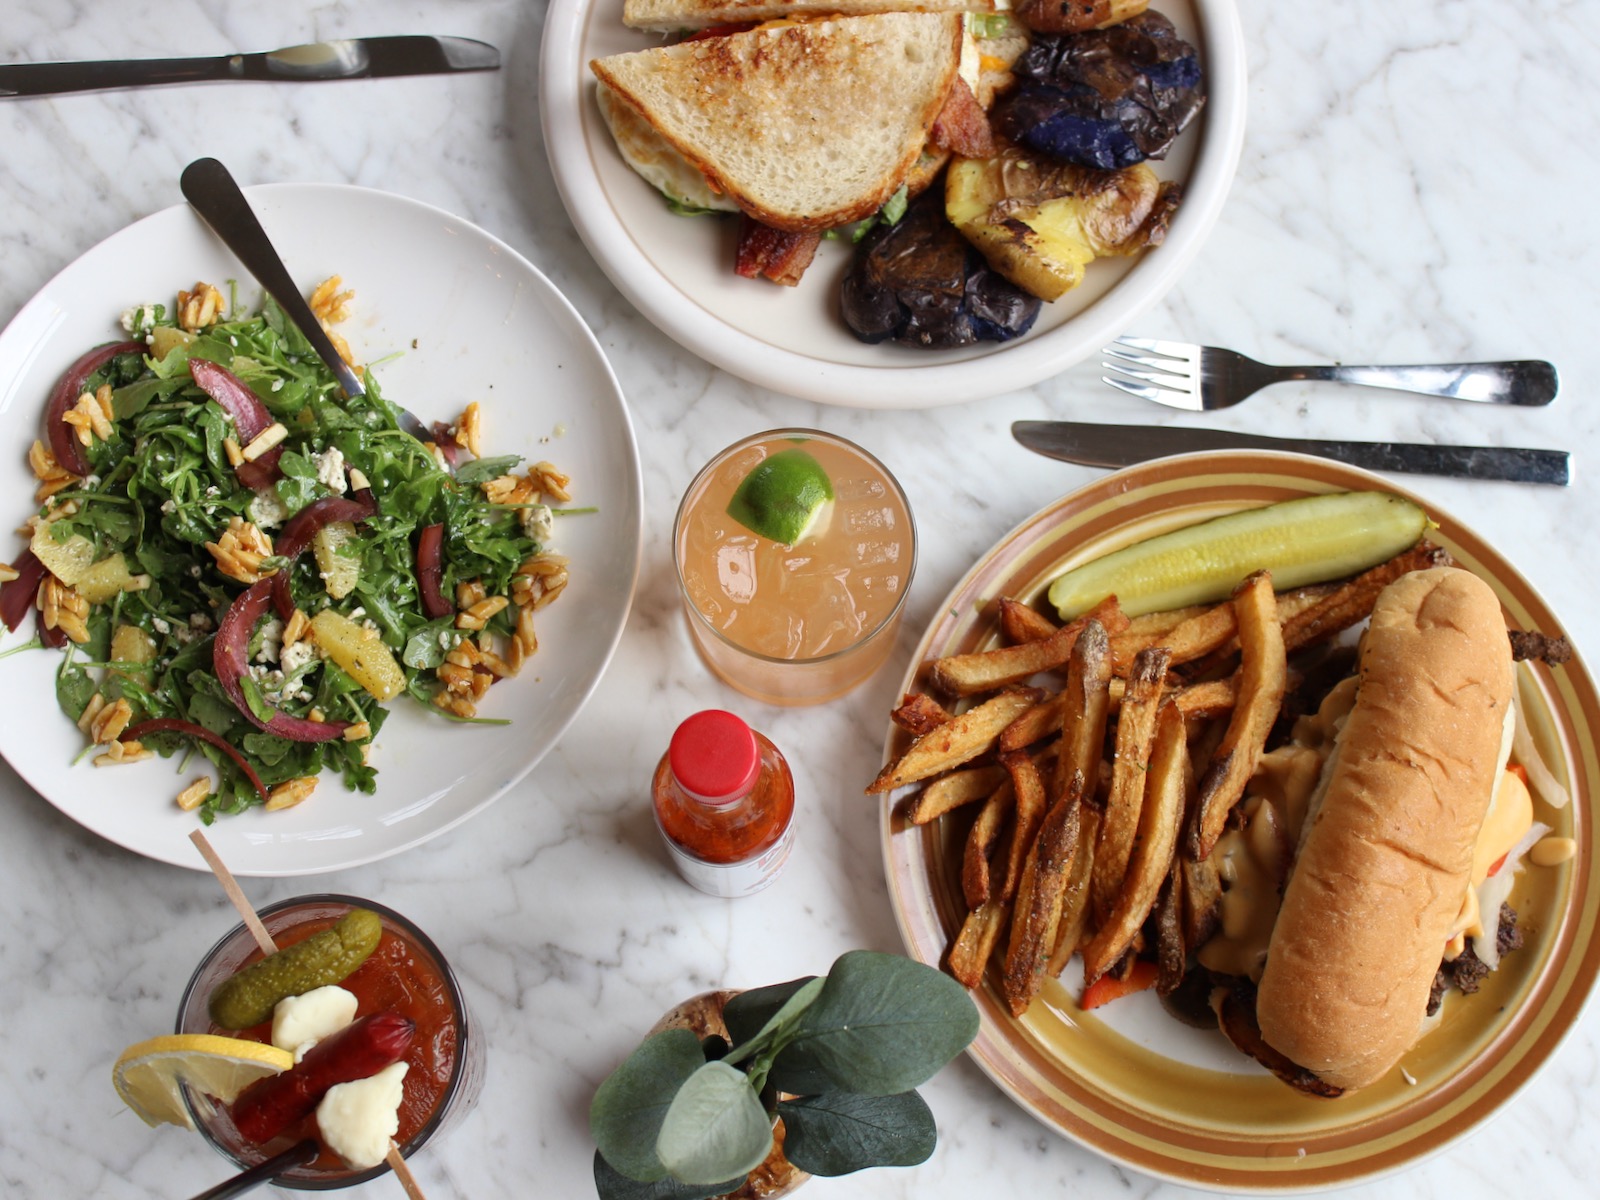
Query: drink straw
{"points": [[264, 939]]}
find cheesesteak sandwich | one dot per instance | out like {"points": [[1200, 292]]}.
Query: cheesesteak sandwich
{"points": [[1386, 859]]}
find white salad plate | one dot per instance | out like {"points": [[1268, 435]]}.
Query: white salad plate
{"points": [[678, 271], [465, 318]]}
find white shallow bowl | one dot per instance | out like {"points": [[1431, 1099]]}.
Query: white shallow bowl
{"points": [[468, 319], [678, 271]]}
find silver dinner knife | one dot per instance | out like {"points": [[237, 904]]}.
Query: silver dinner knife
{"points": [[1094, 445], [351, 58]]}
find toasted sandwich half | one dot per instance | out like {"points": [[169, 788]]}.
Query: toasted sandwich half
{"points": [[671, 15], [802, 126]]}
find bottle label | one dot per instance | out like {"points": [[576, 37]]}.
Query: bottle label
{"points": [[732, 880]]}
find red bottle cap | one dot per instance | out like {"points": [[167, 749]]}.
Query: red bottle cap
{"points": [[714, 757]]}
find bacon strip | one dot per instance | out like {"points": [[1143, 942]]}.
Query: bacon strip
{"points": [[962, 126], [774, 254]]}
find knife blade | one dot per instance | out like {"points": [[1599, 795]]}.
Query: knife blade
{"points": [[1094, 445], [351, 58]]}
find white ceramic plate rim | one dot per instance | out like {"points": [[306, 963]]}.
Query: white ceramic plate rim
{"points": [[512, 313], [563, 76]]}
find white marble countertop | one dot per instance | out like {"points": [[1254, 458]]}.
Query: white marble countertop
{"points": [[1415, 186]]}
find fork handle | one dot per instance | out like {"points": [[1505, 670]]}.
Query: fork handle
{"points": [[1527, 383]]}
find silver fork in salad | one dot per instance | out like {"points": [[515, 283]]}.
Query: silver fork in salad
{"points": [[1201, 378]]}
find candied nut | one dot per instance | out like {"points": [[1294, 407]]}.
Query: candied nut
{"points": [[457, 679], [88, 419], [514, 652], [469, 592], [240, 551], [108, 724], [43, 462], [342, 346], [358, 480], [359, 732], [481, 682], [60, 607], [102, 397], [498, 667], [551, 482], [266, 440], [200, 307], [49, 487], [90, 711], [524, 635], [329, 303], [297, 627], [317, 716], [193, 796], [122, 752], [287, 795], [486, 608], [452, 703], [508, 489], [469, 430], [8, 572], [540, 580]]}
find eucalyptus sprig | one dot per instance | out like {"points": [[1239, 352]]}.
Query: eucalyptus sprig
{"points": [[838, 1058]]}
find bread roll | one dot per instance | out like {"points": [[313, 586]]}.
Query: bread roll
{"points": [[1385, 860]]}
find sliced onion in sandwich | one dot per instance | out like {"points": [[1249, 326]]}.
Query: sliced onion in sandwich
{"points": [[1540, 777], [1495, 890]]}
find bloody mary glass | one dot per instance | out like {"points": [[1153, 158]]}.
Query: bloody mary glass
{"points": [[406, 973], [801, 623]]}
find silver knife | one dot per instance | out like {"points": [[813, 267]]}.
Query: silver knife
{"points": [[352, 58], [1094, 445]]}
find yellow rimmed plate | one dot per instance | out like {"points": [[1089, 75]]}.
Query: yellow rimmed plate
{"points": [[1179, 1103]]}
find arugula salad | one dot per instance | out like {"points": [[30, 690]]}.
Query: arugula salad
{"points": [[238, 560]]}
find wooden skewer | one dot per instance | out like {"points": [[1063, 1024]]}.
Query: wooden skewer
{"points": [[264, 939]]}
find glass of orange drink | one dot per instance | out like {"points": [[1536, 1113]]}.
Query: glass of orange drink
{"points": [[794, 551]]}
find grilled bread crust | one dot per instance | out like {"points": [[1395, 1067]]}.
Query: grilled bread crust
{"points": [[1387, 857], [804, 127], [670, 15]]}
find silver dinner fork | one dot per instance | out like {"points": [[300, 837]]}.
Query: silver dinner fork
{"points": [[1199, 378]]}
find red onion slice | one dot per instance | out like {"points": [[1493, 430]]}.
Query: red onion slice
{"points": [[250, 418], [430, 572], [302, 527], [63, 438], [173, 725], [230, 655]]}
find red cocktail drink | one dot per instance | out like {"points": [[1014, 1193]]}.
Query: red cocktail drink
{"points": [[406, 975]]}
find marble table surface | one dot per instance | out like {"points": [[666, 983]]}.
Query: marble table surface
{"points": [[1415, 186]]}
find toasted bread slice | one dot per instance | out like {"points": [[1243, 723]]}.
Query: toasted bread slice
{"points": [[672, 15], [805, 126]]}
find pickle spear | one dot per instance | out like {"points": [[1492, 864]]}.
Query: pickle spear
{"points": [[1308, 540], [248, 997]]}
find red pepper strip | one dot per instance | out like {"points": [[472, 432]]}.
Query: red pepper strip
{"points": [[64, 442], [250, 418], [299, 529], [269, 1106], [17, 596], [173, 725], [430, 571], [1108, 988], [229, 654]]}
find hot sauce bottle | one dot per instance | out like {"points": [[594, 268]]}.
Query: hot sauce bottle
{"points": [[724, 802]]}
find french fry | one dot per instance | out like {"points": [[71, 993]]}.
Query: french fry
{"points": [[1210, 699], [1263, 677], [952, 791], [985, 670], [1351, 603], [976, 885], [1194, 638], [1136, 728], [1039, 722], [1075, 900], [1021, 622], [1086, 708], [1037, 910], [1172, 953], [1201, 887], [919, 713], [1153, 625], [1160, 817], [1028, 784], [979, 935], [958, 741]]}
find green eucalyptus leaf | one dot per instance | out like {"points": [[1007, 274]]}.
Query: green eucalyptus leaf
{"points": [[837, 1133], [715, 1128], [630, 1106], [776, 1030], [882, 1024], [748, 1012], [614, 1185]]}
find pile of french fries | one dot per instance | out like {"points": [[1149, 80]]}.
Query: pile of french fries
{"points": [[1102, 759]]}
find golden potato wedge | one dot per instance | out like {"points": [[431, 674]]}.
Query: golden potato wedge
{"points": [[1027, 782], [1021, 622], [919, 713], [1263, 677], [976, 886], [1086, 708], [1160, 819], [950, 792], [1040, 893], [1074, 920], [1136, 727], [957, 741], [1172, 954], [975, 942]]}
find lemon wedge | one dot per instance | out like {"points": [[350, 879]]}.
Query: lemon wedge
{"points": [[149, 1075], [783, 497]]}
